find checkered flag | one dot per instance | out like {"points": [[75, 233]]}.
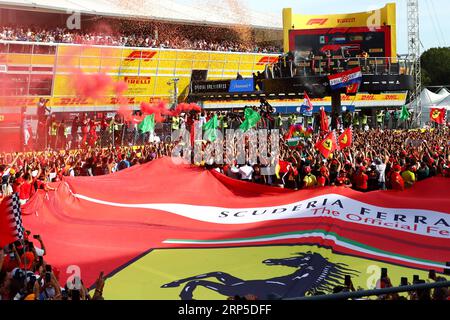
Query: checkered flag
{"points": [[11, 219]]}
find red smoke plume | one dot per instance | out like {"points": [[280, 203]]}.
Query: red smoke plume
{"points": [[159, 109], [92, 86], [186, 107]]}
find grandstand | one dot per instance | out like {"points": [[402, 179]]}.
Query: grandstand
{"points": [[168, 11], [34, 69], [135, 14], [147, 44]]}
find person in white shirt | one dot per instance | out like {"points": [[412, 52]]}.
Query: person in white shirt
{"points": [[246, 172]]}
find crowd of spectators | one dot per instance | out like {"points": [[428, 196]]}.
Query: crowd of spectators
{"points": [[26, 275], [377, 160], [131, 39]]}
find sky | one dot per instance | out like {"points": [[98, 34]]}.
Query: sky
{"points": [[434, 15]]}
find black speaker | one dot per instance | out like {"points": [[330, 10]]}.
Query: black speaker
{"points": [[199, 75]]}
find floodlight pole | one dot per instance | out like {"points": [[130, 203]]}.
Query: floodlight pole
{"points": [[174, 82]]}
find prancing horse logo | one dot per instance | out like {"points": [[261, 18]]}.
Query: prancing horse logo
{"points": [[313, 273], [436, 114], [328, 144]]}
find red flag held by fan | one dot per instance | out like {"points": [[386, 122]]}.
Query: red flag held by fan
{"points": [[324, 126], [438, 115], [328, 145], [353, 89], [346, 139]]}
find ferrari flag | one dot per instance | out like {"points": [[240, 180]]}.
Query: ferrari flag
{"points": [[169, 230], [328, 145], [346, 139], [438, 115]]}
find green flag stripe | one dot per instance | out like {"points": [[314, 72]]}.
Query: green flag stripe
{"points": [[304, 233]]}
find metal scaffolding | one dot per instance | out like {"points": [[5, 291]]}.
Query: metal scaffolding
{"points": [[414, 55]]}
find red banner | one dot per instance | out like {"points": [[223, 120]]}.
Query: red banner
{"points": [[103, 223]]}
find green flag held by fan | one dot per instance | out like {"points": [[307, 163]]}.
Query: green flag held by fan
{"points": [[405, 114], [251, 119], [148, 124], [211, 129]]}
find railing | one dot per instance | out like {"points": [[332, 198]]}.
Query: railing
{"points": [[377, 292], [320, 66], [27, 60]]}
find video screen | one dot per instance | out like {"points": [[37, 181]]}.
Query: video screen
{"points": [[341, 41]]}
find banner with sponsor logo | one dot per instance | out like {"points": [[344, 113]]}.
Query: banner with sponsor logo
{"points": [[245, 85], [361, 100], [198, 234], [147, 72]]}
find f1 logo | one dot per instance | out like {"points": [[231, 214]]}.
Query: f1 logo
{"points": [[267, 60], [144, 55], [320, 22]]}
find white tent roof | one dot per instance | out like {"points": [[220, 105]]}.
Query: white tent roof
{"points": [[444, 93], [445, 103], [215, 13], [430, 99]]}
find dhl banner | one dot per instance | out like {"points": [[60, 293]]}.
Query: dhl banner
{"points": [[359, 101], [139, 85], [197, 234]]}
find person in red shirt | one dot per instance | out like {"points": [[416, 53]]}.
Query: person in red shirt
{"points": [[397, 182], [342, 180], [25, 189], [322, 179], [93, 132], [361, 179]]}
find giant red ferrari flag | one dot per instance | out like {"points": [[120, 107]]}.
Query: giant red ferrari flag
{"points": [[328, 145], [438, 115], [168, 231], [346, 139]]}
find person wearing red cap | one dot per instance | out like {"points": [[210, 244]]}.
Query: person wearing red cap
{"points": [[322, 179], [342, 180], [397, 182]]}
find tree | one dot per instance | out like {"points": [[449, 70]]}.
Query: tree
{"points": [[436, 66], [426, 80]]}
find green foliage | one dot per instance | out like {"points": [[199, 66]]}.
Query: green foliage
{"points": [[436, 66]]}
